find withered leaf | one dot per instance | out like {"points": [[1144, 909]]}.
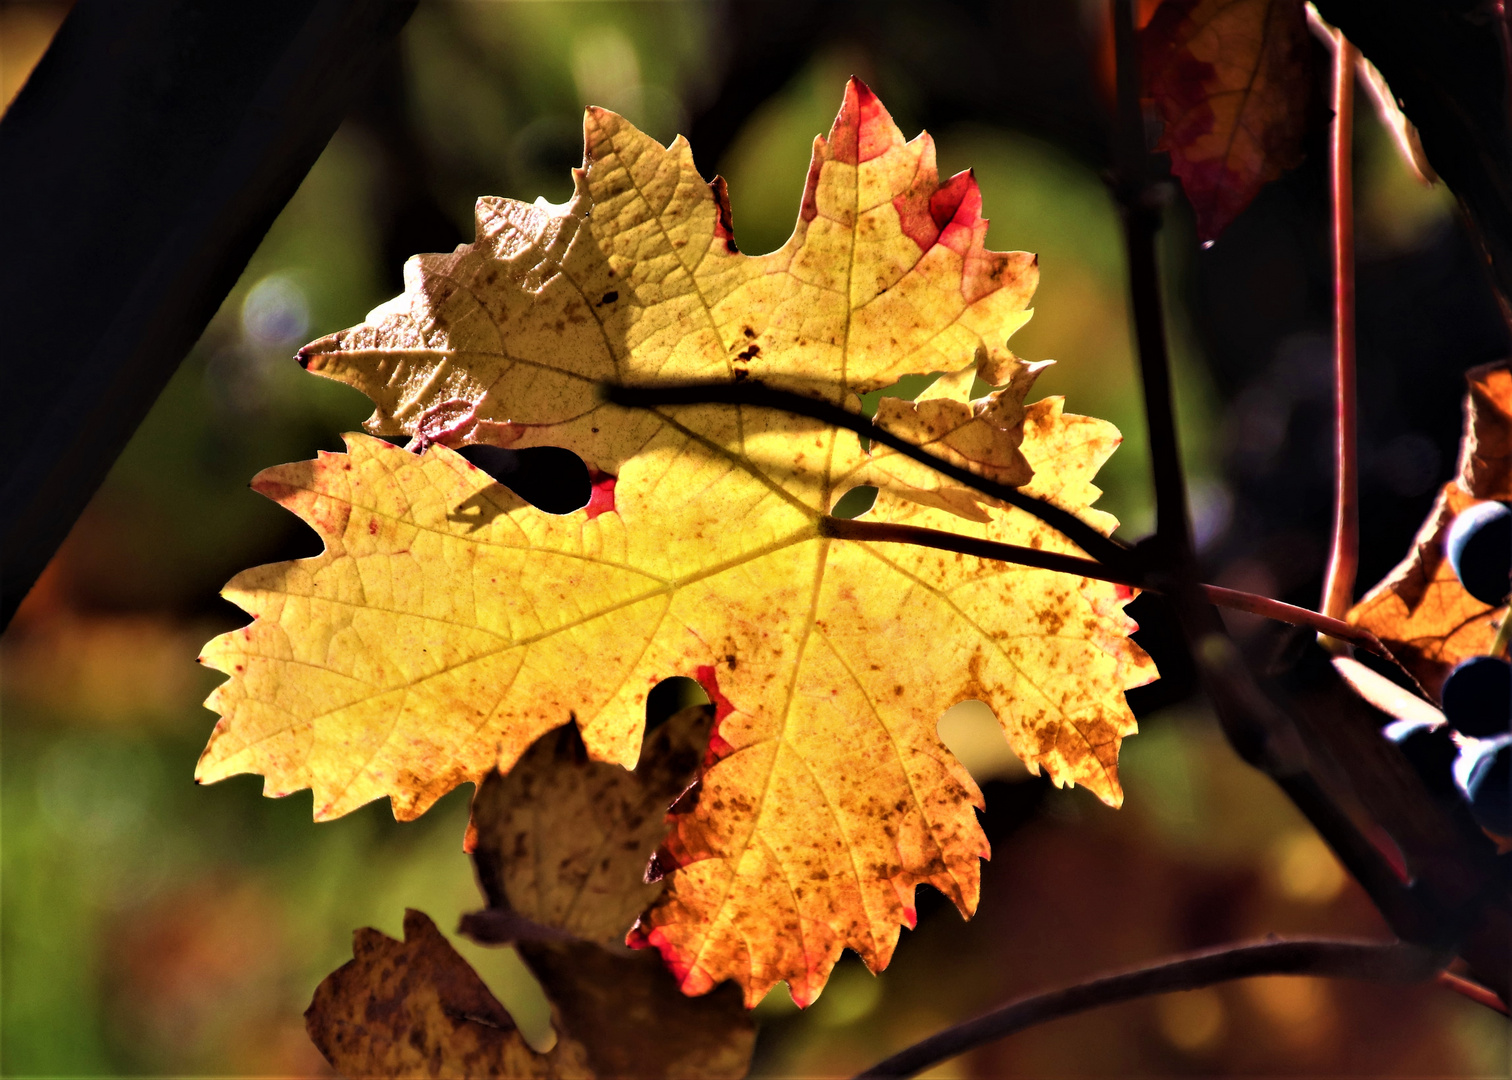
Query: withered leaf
{"points": [[634, 1021], [1230, 80], [563, 840], [416, 1008]]}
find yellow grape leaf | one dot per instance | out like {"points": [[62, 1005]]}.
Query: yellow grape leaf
{"points": [[448, 625], [1420, 611], [416, 1008], [637, 279]]}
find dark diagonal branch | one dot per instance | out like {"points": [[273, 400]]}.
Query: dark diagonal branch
{"points": [[177, 130], [889, 533], [1329, 959], [757, 395]]}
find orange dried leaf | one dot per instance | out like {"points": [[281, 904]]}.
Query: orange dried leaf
{"points": [[1420, 611], [416, 1008], [1229, 78], [448, 625]]}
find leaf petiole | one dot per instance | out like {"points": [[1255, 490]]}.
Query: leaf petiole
{"points": [[1233, 599]]}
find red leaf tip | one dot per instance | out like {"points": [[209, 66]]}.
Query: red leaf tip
{"points": [[864, 129]]}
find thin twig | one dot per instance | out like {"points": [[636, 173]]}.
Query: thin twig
{"points": [[1344, 556], [1501, 644], [1235, 600], [1477, 993], [1383, 962], [757, 395], [1471, 990], [889, 533]]}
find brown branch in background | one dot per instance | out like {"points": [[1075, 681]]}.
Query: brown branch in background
{"points": [[1344, 557], [1473, 990], [889, 533], [1383, 962]]}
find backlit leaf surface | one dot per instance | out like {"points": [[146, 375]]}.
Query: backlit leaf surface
{"points": [[448, 625]]}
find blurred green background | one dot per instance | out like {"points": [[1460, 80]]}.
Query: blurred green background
{"points": [[148, 926]]}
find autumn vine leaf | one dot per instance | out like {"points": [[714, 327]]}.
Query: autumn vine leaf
{"points": [[1420, 611], [448, 624], [1230, 79]]}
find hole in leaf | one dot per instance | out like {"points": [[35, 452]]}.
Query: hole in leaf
{"points": [[669, 697], [855, 502], [908, 386], [970, 730], [547, 477]]}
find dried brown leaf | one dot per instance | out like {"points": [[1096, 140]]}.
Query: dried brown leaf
{"points": [[416, 1008], [1420, 611], [633, 1019]]}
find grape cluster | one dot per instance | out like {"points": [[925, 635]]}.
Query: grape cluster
{"points": [[1470, 756]]}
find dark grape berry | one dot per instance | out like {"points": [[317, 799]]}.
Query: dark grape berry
{"points": [[1478, 697], [1430, 750], [1484, 775], [1479, 547]]}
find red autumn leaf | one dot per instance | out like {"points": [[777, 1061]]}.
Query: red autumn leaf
{"points": [[1229, 78]]}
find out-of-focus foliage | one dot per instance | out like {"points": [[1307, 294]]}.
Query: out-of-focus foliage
{"points": [[151, 926]]}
